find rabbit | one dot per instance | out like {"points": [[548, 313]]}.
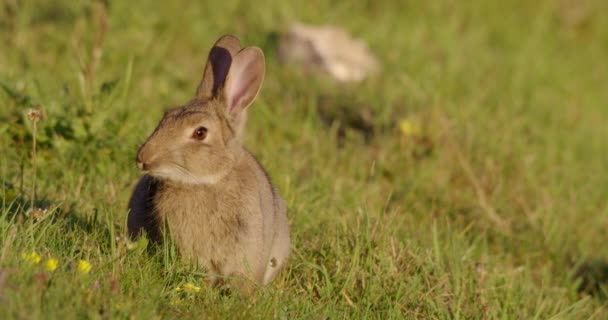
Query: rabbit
{"points": [[203, 188]]}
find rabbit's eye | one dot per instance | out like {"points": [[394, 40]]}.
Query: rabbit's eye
{"points": [[200, 133]]}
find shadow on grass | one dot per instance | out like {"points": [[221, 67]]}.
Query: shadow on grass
{"points": [[594, 278], [19, 211]]}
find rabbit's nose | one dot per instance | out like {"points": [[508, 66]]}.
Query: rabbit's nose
{"points": [[143, 166], [140, 164]]}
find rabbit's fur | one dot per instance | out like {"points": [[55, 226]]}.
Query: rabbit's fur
{"points": [[211, 193]]}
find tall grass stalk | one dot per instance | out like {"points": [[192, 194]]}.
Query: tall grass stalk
{"points": [[34, 115]]}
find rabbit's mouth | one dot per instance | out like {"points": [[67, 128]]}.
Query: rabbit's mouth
{"points": [[141, 166], [180, 175]]}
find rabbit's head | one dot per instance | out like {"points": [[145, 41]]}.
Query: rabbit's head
{"points": [[198, 143]]}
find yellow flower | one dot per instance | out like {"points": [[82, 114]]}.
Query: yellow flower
{"points": [[32, 257], [409, 128], [51, 264], [84, 266], [188, 287]]}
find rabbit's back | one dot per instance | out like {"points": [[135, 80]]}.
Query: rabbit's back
{"points": [[275, 219]]}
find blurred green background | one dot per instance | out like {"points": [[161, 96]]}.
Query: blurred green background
{"points": [[495, 206]]}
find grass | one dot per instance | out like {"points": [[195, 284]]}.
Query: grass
{"points": [[495, 209]]}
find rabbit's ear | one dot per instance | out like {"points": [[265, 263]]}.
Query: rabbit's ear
{"points": [[218, 64], [244, 79], [230, 43]]}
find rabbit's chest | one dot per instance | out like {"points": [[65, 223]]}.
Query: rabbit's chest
{"points": [[207, 226]]}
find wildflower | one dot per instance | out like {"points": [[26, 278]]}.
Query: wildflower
{"points": [[38, 213], [188, 287], [84, 266], [34, 114], [32, 257], [51, 264], [409, 128]]}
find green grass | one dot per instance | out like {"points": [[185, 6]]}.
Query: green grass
{"points": [[498, 210]]}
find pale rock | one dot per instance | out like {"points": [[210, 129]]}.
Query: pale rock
{"points": [[329, 48]]}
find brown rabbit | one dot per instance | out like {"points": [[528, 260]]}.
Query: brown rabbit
{"points": [[203, 186]]}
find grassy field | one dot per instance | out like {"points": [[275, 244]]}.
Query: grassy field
{"points": [[497, 207]]}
